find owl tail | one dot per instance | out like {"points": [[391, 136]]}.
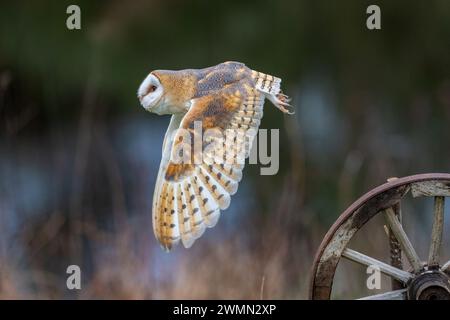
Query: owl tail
{"points": [[270, 86]]}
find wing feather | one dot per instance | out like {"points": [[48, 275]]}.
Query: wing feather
{"points": [[187, 235], [197, 225], [208, 207]]}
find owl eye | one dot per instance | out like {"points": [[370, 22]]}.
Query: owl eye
{"points": [[152, 89]]}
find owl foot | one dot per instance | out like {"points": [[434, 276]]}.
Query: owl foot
{"points": [[281, 101]]}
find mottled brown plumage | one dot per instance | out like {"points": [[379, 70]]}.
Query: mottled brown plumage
{"points": [[224, 99]]}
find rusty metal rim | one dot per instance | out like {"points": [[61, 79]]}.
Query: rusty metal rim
{"points": [[357, 204]]}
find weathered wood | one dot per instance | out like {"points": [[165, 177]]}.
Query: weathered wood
{"points": [[378, 203], [401, 236], [436, 234], [330, 258], [395, 249], [385, 268], [432, 188], [446, 268], [391, 295], [394, 246]]}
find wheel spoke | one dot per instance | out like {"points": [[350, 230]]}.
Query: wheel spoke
{"points": [[395, 248], [446, 267], [391, 295], [401, 236], [389, 270], [436, 234]]}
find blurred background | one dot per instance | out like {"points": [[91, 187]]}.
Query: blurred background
{"points": [[79, 155]]}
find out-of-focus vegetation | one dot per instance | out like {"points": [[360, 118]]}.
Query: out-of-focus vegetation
{"points": [[79, 156]]}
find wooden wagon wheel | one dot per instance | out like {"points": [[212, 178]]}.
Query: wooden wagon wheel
{"points": [[425, 279]]}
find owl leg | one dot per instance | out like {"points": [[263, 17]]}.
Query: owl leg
{"points": [[281, 101]]}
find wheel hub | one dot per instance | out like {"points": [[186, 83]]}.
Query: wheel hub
{"points": [[430, 285]]}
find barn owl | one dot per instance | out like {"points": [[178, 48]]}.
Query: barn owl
{"points": [[189, 195]]}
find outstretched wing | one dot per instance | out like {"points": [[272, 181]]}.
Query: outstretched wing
{"points": [[195, 183]]}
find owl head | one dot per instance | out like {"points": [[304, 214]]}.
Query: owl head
{"points": [[150, 93], [167, 92]]}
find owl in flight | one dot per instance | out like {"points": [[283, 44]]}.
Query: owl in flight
{"points": [[227, 100]]}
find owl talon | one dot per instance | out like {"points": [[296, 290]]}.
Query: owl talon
{"points": [[285, 110], [283, 98], [281, 101]]}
